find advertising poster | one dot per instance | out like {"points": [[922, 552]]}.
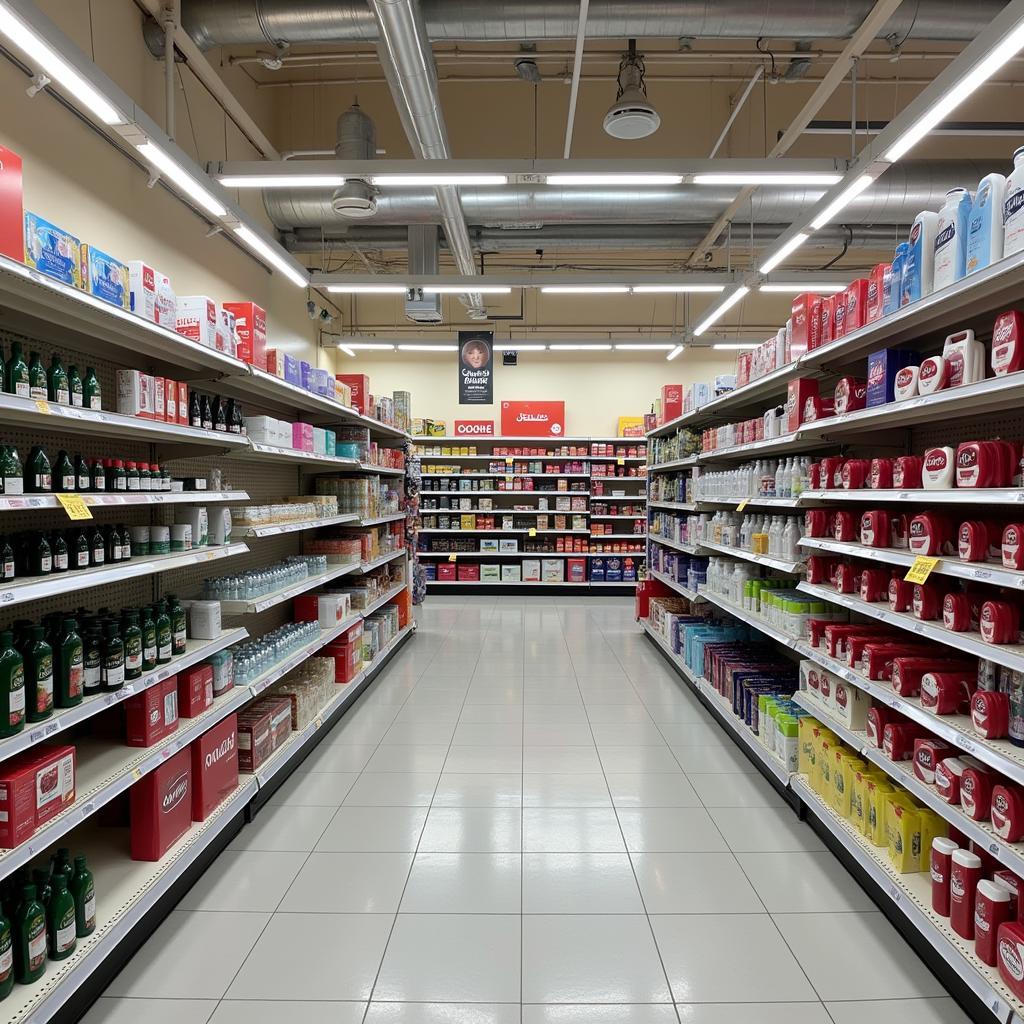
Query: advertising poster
{"points": [[476, 367], [533, 419]]}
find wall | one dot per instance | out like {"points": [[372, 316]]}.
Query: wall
{"points": [[596, 387], [77, 179]]}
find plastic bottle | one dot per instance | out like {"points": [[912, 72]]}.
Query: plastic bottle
{"points": [[92, 393], [97, 548], [93, 662], [892, 299], [40, 555], [131, 476], [132, 637], [29, 928], [12, 687], [919, 270], [950, 258], [63, 473], [41, 880], [60, 919], [790, 540], [75, 386], [985, 224], [148, 627], [179, 632], [58, 386], [12, 473], [6, 957], [1013, 206], [58, 552], [37, 386], [38, 475], [97, 475], [69, 682], [61, 861], [164, 641], [38, 657], [83, 889], [113, 659]]}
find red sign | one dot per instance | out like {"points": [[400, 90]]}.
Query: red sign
{"points": [[12, 220], [474, 428], [533, 419]]}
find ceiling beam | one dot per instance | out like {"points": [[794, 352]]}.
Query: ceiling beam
{"points": [[577, 66]]}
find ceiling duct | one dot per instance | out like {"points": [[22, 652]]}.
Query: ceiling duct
{"points": [[424, 247], [356, 140], [270, 22]]}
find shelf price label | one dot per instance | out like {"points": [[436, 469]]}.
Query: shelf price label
{"points": [[742, 505], [509, 460], [43, 406], [451, 557], [75, 506], [921, 569], [620, 461], [533, 531]]}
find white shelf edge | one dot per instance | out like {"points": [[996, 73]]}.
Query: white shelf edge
{"points": [[793, 568], [381, 560], [261, 604], [514, 494], [102, 500], [308, 524], [391, 517], [677, 545], [961, 496], [691, 595], [528, 532], [524, 583], [750, 619], [382, 600]]}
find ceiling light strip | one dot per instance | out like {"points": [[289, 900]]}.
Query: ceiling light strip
{"points": [[720, 310], [786, 249]]}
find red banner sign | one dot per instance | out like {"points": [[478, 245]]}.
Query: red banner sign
{"points": [[533, 419], [474, 428]]}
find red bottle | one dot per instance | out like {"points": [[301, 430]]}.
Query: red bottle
{"points": [[964, 875], [941, 863]]}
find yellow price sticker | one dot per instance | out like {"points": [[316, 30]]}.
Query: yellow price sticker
{"points": [[75, 506], [451, 557], [533, 531], [43, 407], [742, 505], [621, 461], [508, 460], [921, 569], [509, 478]]}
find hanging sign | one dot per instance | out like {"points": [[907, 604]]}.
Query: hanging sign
{"points": [[476, 367], [533, 419]]}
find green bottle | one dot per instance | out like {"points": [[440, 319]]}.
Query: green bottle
{"points": [[97, 547], [93, 662], [59, 551], [58, 385], [131, 474], [29, 938], [40, 555], [97, 475], [69, 683], [112, 545], [61, 861], [126, 542], [83, 478], [6, 957], [148, 628], [78, 551], [12, 688], [164, 643], [132, 637], [75, 386], [38, 655], [63, 473], [113, 659], [37, 385], [7, 570], [179, 633], [41, 880], [12, 473], [83, 888], [38, 475], [60, 919], [92, 393], [16, 373]]}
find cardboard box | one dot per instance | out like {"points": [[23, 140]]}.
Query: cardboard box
{"points": [[161, 807], [552, 570], [53, 251], [159, 398], [214, 767], [806, 316], [800, 390], [508, 545], [511, 574], [671, 401], [576, 570], [468, 573], [12, 213], [275, 363], [196, 319], [227, 335], [106, 277], [135, 395], [152, 715], [170, 399], [182, 403], [291, 370], [17, 804], [531, 570], [446, 571], [359, 385], [195, 690], [490, 572]]}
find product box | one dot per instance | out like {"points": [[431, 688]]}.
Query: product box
{"points": [[17, 804], [291, 370], [856, 304], [806, 316], [53, 251], [196, 319], [468, 573], [359, 385], [508, 545], [152, 715], [490, 572], [531, 570], [597, 569], [511, 574], [195, 690], [302, 437], [226, 337], [107, 277], [800, 390], [446, 571], [251, 329], [161, 807], [552, 570], [876, 291], [52, 770], [305, 369], [12, 214], [576, 570], [160, 398], [214, 767], [489, 544], [671, 401], [182, 403], [135, 394], [275, 363], [883, 366], [170, 399]]}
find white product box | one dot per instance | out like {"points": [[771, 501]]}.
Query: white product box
{"points": [[531, 570], [488, 544], [170, 399], [160, 398], [135, 394], [142, 290], [332, 609], [851, 704], [508, 545], [490, 572], [320, 441], [553, 570], [227, 333], [511, 574], [203, 619], [196, 319]]}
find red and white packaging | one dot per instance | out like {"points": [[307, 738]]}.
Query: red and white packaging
{"points": [[947, 693], [805, 315], [964, 875], [34, 787], [251, 331], [817, 522], [1010, 956], [973, 541], [941, 865], [927, 602], [982, 464], [874, 529], [846, 578], [933, 375], [832, 472], [956, 612], [1013, 546], [12, 216], [845, 525], [976, 783], [195, 690], [930, 534], [1008, 343], [948, 773], [856, 311], [161, 807], [992, 908], [827, 317], [135, 394], [965, 359], [152, 715], [990, 714], [1013, 884], [901, 595], [170, 400], [874, 584], [214, 767], [818, 408], [855, 474], [876, 292], [1008, 811], [999, 622], [939, 469], [908, 471], [878, 718], [898, 739], [159, 399], [183, 403], [196, 319], [905, 383], [928, 754], [851, 394], [880, 475]]}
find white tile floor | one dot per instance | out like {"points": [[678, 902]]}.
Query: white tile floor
{"points": [[527, 820]]}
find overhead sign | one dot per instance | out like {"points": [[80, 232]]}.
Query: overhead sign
{"points": [[533, 419], [476, 367], [474, 428]]}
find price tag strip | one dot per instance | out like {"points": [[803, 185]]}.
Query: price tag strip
{"points": [[75, 506]]}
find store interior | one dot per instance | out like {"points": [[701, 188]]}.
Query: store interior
{"points": [[509, 512]]}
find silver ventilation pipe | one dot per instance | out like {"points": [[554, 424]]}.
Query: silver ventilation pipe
{"points": [[408, 63], [270, 22]]}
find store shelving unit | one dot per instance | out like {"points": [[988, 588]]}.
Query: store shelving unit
{"points": [[137, 499]]}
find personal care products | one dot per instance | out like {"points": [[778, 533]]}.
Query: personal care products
{"points": [[951, 238], [985, 224], [919, 271]]}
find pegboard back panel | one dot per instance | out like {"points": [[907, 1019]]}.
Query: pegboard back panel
{"points": [[1008, 425]]}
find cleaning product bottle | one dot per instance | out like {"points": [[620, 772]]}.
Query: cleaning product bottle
{"points": [[919, 270], [37, 383], [1013, 206], [985, 224], [12, 687], [60, 919], [29, 938], [92, 392], [38, 655], [951, 238], [16, 373], [70, 678], [83, 888], [6, 957], [58, 386], [891, 295]]}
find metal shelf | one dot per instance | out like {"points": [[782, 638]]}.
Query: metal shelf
{"points": [[514, 511], [675, 585], [621, 497], [370, 467], [102, 500], [601, 537], [36, 588], [376, 563], [516, 554], [383, 600], [525, 531], [667, 467], [307, 524], [272, 453], [779, 564], [678, 545], [673, 506], [521, 583], [595, 515], [514, 494], [391, 517], [514, 476], [757, 621], [261, 604], [753, 502], [963, 496]]}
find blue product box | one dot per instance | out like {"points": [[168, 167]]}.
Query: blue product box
{"points": [[332, 441], [52, 251], [304, 371], [347, 449], [613, 570], [107, 277], [597, 569], [882, 369], [291, 370], [324, 383]]}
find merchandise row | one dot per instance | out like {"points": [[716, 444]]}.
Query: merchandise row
{"points": [[567, 569], [636, 449]]}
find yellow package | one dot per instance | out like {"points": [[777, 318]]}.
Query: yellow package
{"points": [[826, 753], [878, 791], [903, 832], [807, 727], [468, 522], [859, 797], [931, 826], [844, 772]]}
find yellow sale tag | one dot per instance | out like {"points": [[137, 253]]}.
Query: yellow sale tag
{"points": [[508, 477], [621, 461], [451, 557], [742, 505], [921, 569], [75, 506], [43, 407], [508, 460], [533, 531]]}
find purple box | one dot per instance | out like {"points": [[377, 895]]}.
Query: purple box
{"points": [[291, 369], [323, 383], [304, 371], [882, 369]]}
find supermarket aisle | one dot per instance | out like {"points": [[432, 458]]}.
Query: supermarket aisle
{"points": [[526, 816]]}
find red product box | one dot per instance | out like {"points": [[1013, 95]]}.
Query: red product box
{"points": [[743, 361], [161, 807], [446, 571], [12, 214], [876, 292], [195, 690], [251, 328], [671, 401], [182, 403], [214, 767], [800, 390], [575, 570], [306, 608], [827, 314], [280, 719], [469, 573], [17, 804], [160, 398], [347, 659], [856, 305], [359, 383], [53, 770], [255, 740], [153, 714], [806, 315], [170, 400]]}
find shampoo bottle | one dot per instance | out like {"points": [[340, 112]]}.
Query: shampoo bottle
{"points": [[1013, 206], [985, 225], [891, 294], [919, 271], [951, 238]]}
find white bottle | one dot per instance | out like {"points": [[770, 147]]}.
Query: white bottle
{"points": [[1013, 206], [779, 476], [985, 225], [919, 270], [951, 238], [790, 540]]}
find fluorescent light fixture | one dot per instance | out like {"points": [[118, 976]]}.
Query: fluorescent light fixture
{"points": [[283, 181], [976, 77], [171, 169], [585, 289], [612, 179], [580, 348], [513, 347], [347, 351], [436, 180], [767, 178], [795, 287], [365, 346], [735, 346], [667, 347], [642, 289], [460, 289], [842, 200], [428, 348], [786, 250], [367, 289], [678, 350], [277, 261], [56, 67], [720, 310]]}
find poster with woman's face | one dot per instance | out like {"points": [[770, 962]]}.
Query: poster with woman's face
{"points": [[476, 367]]}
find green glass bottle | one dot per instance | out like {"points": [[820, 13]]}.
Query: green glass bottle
{"points": [[69, 682], [29, 938], [12, 473], [83, 889], [93, 655], [38, 655], [131, 634], [61, 861], [78, 551], [97, 476], [126, 542], [12, 687], [59, 551], [92, 393], [16, 373], [7, 570], [40, 555], [179, 633], [61, 929], [41, 880], [83, 478], [58, 385], [63, 473], [6, 957], [220, 418], [117, 478], [37, 383], [112, 545], [75, 386], [97, 547], [206, 412], [113, 659], [38, 474], [131, 473], [164, 643], [148, 627]]}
